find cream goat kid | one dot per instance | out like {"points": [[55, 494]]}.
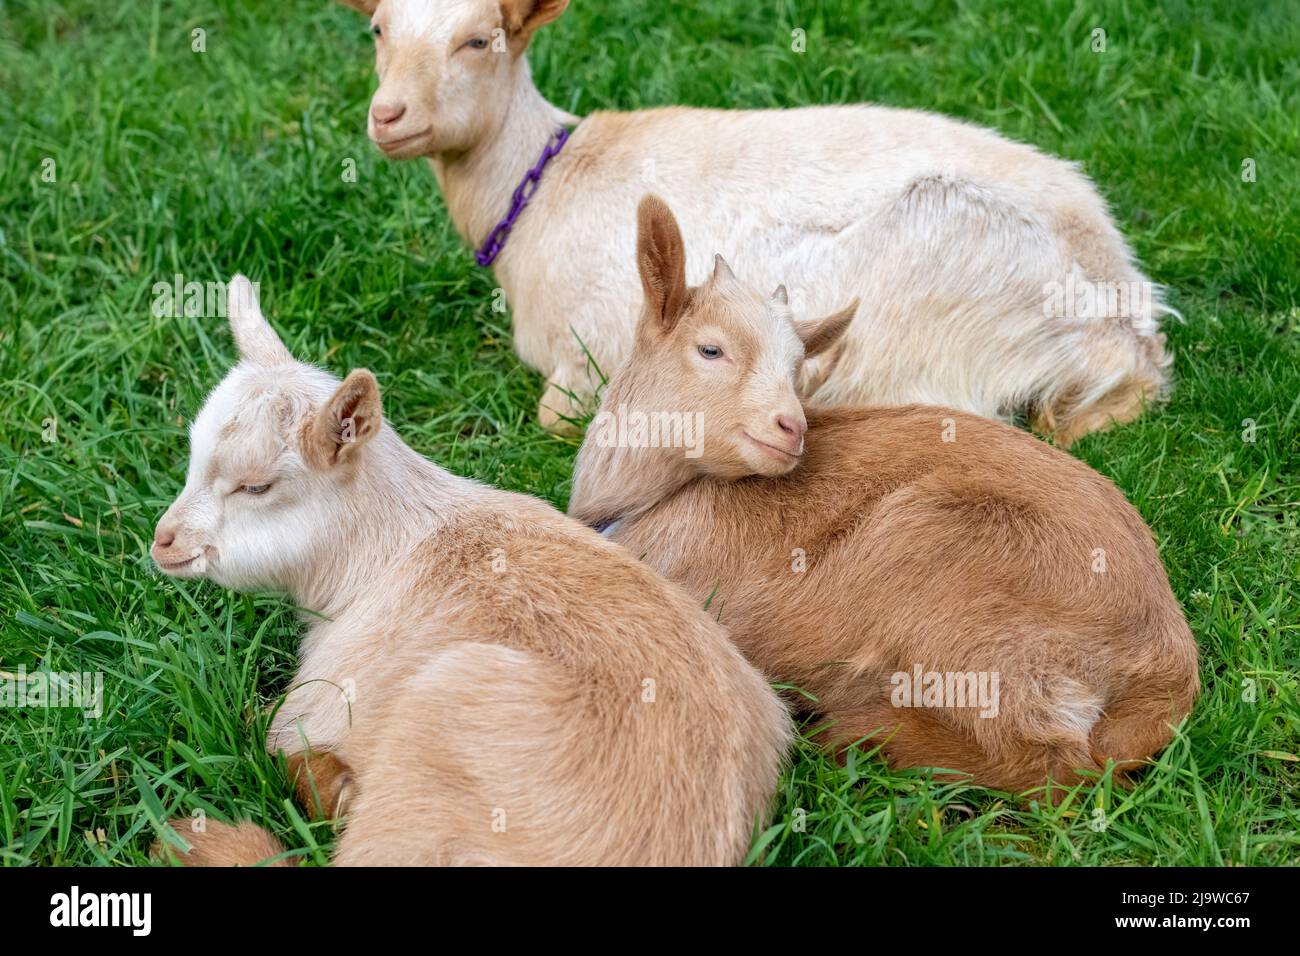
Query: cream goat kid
{"points": [[900, 542], [501, 684], [991, 276]]}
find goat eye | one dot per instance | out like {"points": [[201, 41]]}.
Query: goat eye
{"points": [[478, 43], [254, 489], [710, 351]]}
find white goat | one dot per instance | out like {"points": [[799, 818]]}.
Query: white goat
{"points": [[991, 276]]}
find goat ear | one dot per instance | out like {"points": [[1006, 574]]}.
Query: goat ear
{"points": [[781, 296], [365, 6], [818, 335], [343, 424], [254, 337], [524, 17], [661, 260]]}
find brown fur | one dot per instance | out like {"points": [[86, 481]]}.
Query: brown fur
{"points": [[903, 537], [321, 781]]}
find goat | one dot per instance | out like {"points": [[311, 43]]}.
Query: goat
{"points": [[992, 277], [490, 681], [944, 586]]}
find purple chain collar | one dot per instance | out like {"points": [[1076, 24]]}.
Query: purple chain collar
{"points": [[492, 245]]}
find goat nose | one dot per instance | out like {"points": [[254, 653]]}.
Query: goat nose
{"points": [[794, 427], [385, 113], [163, 537]]}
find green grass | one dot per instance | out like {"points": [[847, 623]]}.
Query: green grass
{"points": [[170, 161]]}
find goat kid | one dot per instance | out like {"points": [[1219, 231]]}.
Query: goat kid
{"points": [[493, 682], [945, 586]]}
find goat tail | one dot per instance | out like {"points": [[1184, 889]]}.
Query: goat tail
{"points": [[1135, 728], [1119, 376]]}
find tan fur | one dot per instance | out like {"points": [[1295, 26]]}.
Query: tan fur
{"points": [[221, 844], [1071, 416], [901, 537], [952, 236], [321, 782], [499, 683], [352, 415]]}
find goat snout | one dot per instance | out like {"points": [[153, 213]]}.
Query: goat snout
{"points": [[385, 114], [792, 427], [164, 536]]}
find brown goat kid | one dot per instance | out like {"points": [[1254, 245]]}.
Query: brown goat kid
{"points": [[946, 586]]}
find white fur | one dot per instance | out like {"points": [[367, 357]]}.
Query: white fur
{"points": [[948, 233], [419, 19]]}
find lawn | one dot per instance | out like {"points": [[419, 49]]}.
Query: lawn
{"points": [[126, 157]]}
